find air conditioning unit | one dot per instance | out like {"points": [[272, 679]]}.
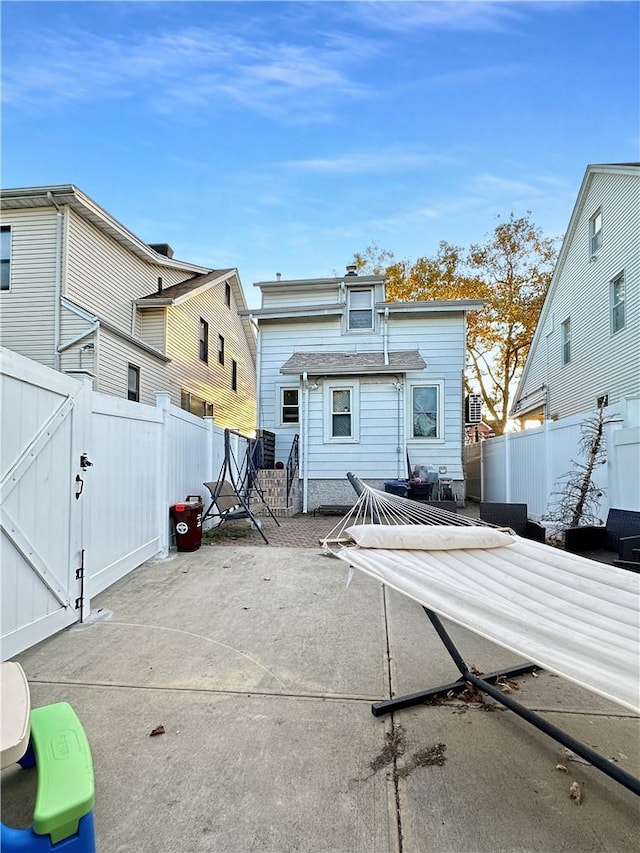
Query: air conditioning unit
{"points": [[473, 409]]}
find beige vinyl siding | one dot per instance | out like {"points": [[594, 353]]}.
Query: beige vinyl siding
{"points": [[113, 357], [105, 278], [27, 310], [212, 381], [601, 362], [152, 327]]}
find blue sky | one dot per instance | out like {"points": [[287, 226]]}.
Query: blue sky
{"points": [[282, 137]]}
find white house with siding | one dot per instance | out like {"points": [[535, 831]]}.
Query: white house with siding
{"points": [[361, 380], [82, 294], [586, 348]]}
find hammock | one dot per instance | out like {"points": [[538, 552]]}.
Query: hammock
{"points": [[567, 614]]}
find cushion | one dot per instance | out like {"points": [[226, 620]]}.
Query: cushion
{"points": [[420, 537]]}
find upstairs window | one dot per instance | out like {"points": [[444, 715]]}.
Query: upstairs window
{"points": [[133, 383], [204, 340], [234, 375], [220, 349], [595, 232], [290, 407], [5, 257], [617, 303], [424, 410], [566, 341], [227, 294], [360, 308]]}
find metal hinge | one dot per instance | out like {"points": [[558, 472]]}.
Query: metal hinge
{"points": [[79, 603]]}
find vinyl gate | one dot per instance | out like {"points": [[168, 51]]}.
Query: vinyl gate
{"points": [[41, 486]]}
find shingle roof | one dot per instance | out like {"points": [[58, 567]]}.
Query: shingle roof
{"points": [[186, 286], [352, 362]]}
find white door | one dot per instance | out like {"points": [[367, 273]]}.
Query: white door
{"points": [[43, 418]]}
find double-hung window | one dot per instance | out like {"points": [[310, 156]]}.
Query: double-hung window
{"points": [[617, 303], [360, 308], [220, 350], [566, 341], [204, 341], [341, 415], [133, 383], [5, 257], [289, 406], [595, 232], [425, 415]]}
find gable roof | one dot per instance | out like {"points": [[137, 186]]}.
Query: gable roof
{"points": [[590, 172], [176, 293], [68, 194]]}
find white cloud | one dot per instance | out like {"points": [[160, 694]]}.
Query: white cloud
{"points": [[386, 160]]}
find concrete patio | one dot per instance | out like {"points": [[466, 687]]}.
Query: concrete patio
{"points": [[261, 664]]}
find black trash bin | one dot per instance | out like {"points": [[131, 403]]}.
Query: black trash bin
{"points": [[187, 523], [397, 487]]}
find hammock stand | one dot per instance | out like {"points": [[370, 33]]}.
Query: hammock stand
{"points": [[376, 507]]}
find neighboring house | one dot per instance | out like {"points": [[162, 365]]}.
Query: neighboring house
{"points": [[362, 381], [81, 294], [586, 346]]}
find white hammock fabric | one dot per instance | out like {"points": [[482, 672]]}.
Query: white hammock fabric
{"points": [[567, 614]]}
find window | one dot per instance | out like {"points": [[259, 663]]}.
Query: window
{"points": [[5, 257], [221, 349], [595, 232], [424, 411], [290, 409], [602, 401], [234, 375], [341, 413], [617, 303], [204, 340], [360, 308], [227, 294], [196, 405], [566, 341], [133, 383]]}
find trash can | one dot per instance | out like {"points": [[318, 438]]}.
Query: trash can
{"points": [[187, 523], [397, 487]]}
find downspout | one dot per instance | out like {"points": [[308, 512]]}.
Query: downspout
{"points": [[385, 335], [256, 326], [399, 465], [305, 442], [58, 282]]}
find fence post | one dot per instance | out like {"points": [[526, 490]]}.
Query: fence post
{"points": [[548, 471], [210, 473], [163, 401], [507, 467]]}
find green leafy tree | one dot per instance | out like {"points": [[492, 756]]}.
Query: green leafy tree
{"points": [[511, 271]]}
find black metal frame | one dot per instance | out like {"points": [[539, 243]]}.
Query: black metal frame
{"points": [[483, 683]]}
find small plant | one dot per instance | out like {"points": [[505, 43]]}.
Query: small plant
{"points": [[576, 498]]}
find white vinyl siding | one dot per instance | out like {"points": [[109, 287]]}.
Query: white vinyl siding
{"points": [[27, 310], [383, 421], [152, 329], [581, 290]]}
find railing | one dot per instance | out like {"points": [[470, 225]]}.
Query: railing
{"points": [[292, 464]]}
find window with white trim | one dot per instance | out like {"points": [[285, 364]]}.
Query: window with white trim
{"points": [[617, 303], [5, 257], [595, 232], [289, 406], [566, 341], [341, 421], [425, 411], [360, 308]]}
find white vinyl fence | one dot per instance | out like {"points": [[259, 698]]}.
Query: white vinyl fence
{"points": [[86, 482], [526, 467]]}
